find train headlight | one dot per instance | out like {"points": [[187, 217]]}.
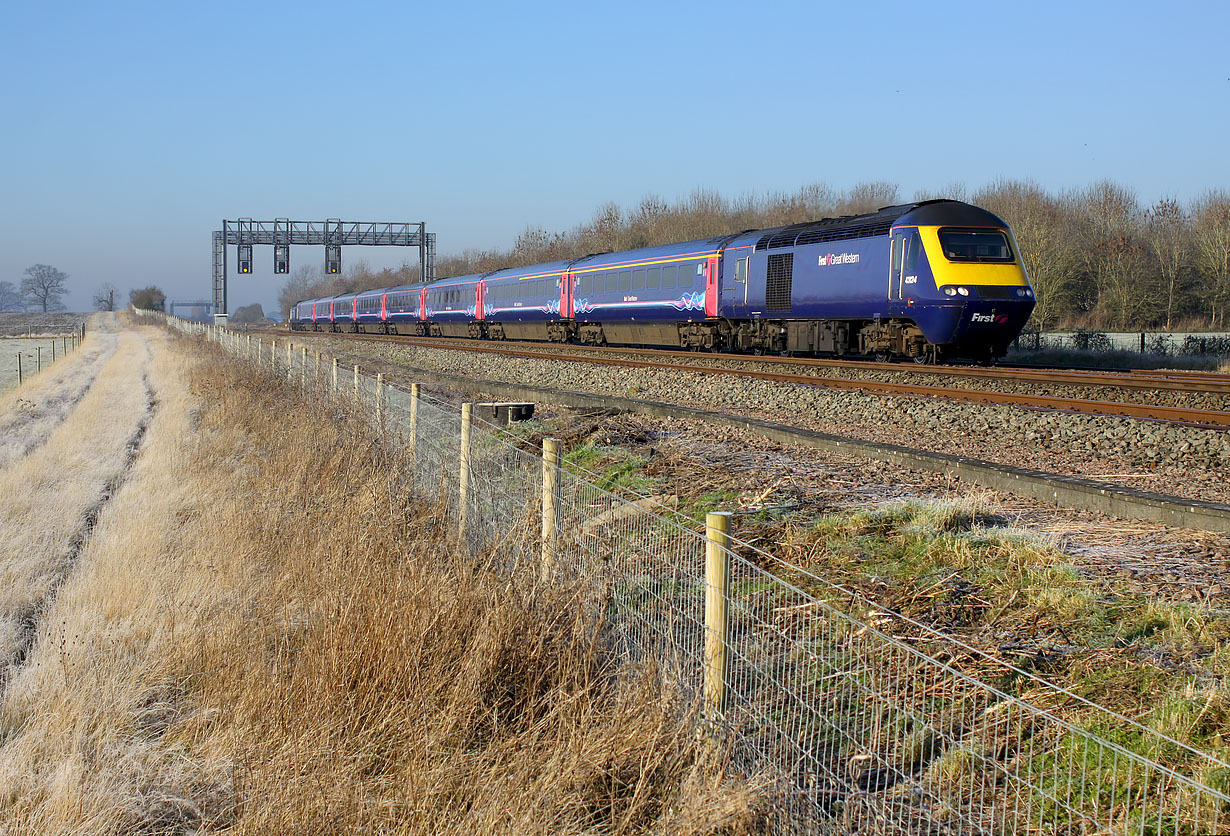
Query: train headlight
{"points": [[964, 291], [1020, 291], [950, 291]]}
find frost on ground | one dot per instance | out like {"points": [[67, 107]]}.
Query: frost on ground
{"points": [[208, 662], [29, 414]]}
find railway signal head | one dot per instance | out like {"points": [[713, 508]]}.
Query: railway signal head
{"points": [[245, 258], [281, 258]]}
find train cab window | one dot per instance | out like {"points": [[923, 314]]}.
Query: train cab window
{"points": [[668, 276], [741, 270], [625, 280], [638, 279], [913, 247], [653, 278], [984, 245]]}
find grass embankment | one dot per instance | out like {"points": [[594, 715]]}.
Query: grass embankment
{"points": [[955, 567], [263, 636]]}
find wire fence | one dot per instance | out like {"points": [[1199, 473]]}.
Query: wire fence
{"points": [[861, 719]]}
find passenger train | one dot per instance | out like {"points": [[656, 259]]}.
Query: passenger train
{"points": [[928, 281]]}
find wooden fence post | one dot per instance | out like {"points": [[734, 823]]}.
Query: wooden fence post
{"points": [[334, 375], [463, 487], [356, 384], [379, 399], [273, 355], [717, 601], [550, 505], [303, 368], [19, 375], [53, 350]]}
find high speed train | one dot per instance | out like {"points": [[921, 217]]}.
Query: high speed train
{"points": [[927, 281]]}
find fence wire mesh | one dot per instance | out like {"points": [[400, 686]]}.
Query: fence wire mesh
{"points": [[864, 721]]}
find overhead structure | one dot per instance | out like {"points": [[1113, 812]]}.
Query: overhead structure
{"points": [[201, 309], [332, 234]]}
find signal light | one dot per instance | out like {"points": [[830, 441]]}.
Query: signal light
{"points": [[281, 258], [333, 258], [244, 254]]}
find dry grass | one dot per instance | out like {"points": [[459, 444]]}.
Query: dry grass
{"points": [[263, 636], [29, 414], [47, 497]]}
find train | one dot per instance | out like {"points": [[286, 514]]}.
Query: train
{"points": [[929, 281]]}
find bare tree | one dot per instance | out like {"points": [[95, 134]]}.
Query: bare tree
{"points": [[1040, 226], [1114, 254], [10, 299], [304, 283], [1211, 234], [1169, 236], [104, 299], [43, 286]]}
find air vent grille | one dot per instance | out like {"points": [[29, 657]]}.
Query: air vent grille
{"points": [[779, 282], [834, 229]]}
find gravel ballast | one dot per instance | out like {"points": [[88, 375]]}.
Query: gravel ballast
{"points": [[1150, 455]]}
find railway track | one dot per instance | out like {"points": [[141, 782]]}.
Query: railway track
{"points": [[663, 360]]}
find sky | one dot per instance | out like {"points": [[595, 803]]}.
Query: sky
{"points": [[130, 130]]}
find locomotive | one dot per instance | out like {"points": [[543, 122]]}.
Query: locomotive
{"points": [[927, 281]]}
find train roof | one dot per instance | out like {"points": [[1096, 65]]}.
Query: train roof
{"points": [[871, 224]]}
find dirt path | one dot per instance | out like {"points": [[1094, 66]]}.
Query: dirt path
{"points": [[29, 414], [77, 452]]}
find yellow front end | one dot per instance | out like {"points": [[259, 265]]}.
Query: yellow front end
{"points": [[971, 273]]}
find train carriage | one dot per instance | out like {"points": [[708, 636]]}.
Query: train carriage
{"points": [[927, 281]]}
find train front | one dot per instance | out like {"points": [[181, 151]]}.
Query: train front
{"points": [[975, 297]]}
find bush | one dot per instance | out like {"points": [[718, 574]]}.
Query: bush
{"points": [[1083, 340]]}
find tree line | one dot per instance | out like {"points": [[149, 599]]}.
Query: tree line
{"points": [[1097, 257], [43, 288]]}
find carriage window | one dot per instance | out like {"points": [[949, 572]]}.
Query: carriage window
{"points": [[638, 279], [975, 245], [685, 274], [625, 280], [611, 282], [668, 276], [653, 278]]}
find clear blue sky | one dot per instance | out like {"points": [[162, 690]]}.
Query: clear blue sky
{"points": [[131, 129]]}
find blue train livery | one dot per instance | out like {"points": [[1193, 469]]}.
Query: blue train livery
{"points": [[927, 281]]}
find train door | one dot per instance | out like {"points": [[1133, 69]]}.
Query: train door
{"points": [[566, 310], [711, 286], [480, 295], [736, 264], [903, 269]]}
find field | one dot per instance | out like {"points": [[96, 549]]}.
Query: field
{"points": [[27, 324], [30, 349]]}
